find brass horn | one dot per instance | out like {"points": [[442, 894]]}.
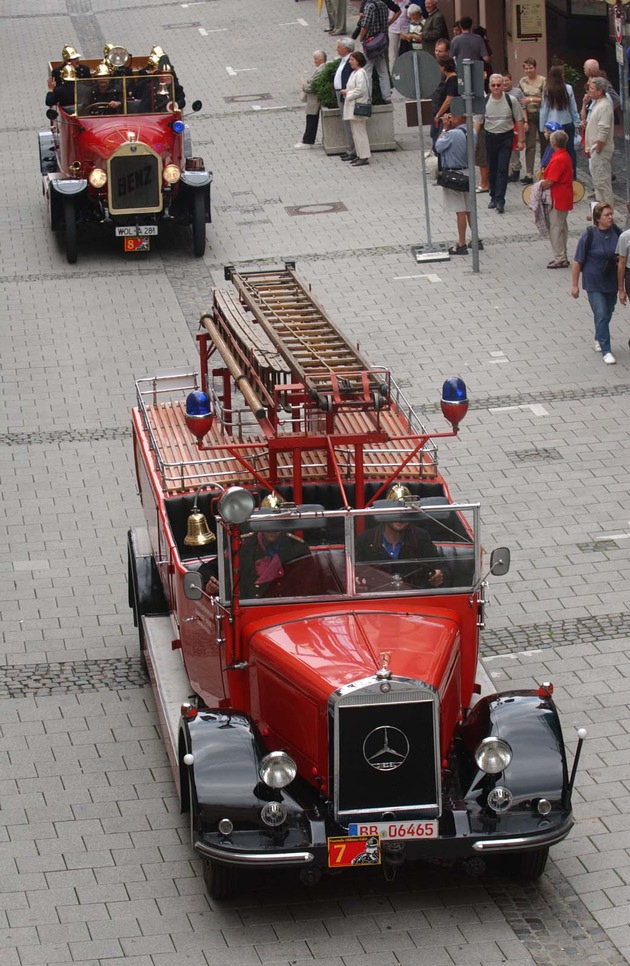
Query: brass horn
{"points": [[198, 532]]}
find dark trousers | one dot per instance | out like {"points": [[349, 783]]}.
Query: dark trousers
{"points": [[499, 149], [310, 131]]}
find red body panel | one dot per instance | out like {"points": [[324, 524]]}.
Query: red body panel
{"points": [[91, 140]]}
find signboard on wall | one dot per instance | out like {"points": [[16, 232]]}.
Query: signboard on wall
{"points": [[527, 21]]}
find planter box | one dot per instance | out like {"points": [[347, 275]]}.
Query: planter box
{"points": [[380, 129]]}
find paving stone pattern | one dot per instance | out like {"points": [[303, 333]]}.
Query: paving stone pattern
{"points": [[95, 856]]}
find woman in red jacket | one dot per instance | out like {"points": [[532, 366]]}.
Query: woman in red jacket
{"points": [[559, 177]]}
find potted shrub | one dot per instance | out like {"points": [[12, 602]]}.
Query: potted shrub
{"points": [[380, 126]]}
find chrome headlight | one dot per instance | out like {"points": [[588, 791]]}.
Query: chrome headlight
{"points": [[236, 505], [277, 769], [171, 174], [493, 755], [273, 814], [97, 178]]}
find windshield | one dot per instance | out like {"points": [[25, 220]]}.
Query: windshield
{"points": [[136, 94], [391, 549]]}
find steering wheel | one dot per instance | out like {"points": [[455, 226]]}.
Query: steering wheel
{"points": [[98, 108]]}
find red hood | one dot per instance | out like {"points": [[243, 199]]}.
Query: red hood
{"points": [[295, 666], [324, 653], [98, 137]]}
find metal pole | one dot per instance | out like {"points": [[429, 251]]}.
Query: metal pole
{"points": [[470, 139], [416, 77], [623, 90]]}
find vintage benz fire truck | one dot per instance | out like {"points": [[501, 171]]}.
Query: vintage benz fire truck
{"points": [[319, 689], [119, 154]]}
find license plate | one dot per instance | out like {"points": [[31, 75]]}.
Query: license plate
{"points": [[350, 850], [132, 232], [137, 244], [412, 831]]}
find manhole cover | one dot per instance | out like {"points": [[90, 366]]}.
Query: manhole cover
{"points": [[245, 98], [327, 209]]}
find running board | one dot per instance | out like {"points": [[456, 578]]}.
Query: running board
{"points": [[171, 686]]}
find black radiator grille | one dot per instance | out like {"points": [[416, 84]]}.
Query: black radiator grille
{"points": [[386, 757], [135, 184]]}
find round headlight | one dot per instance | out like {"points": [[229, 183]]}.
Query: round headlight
{"points": [[277, 769], [493, 755], [236, 505], [97, 178], [171, 174], [500, 799]]}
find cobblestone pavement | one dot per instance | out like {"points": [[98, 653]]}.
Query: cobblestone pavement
{"points": [[96, 864]]}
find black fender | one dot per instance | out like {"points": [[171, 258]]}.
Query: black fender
{"points": [[146, 595], [538, 769], [191, 184], [57, 191], [224, 776]]}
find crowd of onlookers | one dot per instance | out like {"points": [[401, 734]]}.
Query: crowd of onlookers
{"points": [[536, 122]]}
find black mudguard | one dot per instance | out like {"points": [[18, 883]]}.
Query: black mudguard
{"points": [[538, 769], [146, 595]]}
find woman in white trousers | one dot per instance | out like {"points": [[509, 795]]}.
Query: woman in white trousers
{"points": [[357, 92]]}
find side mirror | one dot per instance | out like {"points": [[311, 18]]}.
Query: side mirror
{"points": [[196, 106], [193, 588], [51, 115], [499, 561]]}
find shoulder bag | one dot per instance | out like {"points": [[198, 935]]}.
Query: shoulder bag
{"points": [[454, 179], [376, 45], [363, 110]]}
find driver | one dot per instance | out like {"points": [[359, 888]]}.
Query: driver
{"points": [[263, 556], [398, 540], [105, 91]]}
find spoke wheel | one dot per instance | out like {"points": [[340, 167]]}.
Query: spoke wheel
{"points": [[70, 222], [199, 224]]}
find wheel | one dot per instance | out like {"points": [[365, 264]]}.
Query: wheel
{"points": [[199, 224], [525, 866], [221, 880], [70, 222]]}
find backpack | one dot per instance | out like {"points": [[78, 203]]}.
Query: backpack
{"points": [[509, 100]]}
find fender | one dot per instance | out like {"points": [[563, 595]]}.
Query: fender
{"points": [[196, 179], [225, 783], [146, 594], [68, 186], [538, 769]]}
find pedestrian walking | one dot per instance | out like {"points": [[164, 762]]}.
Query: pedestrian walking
{"points": [[596, 261], [503, 114]]}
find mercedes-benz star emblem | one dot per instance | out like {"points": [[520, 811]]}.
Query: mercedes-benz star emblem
{"points": [[386, 748]]}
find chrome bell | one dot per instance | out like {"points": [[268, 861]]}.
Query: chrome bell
{"points": [[199, 533], [164, 89]]}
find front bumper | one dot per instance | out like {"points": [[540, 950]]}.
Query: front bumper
{"points": [[258, 849]]}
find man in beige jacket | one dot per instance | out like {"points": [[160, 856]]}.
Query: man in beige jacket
{"points": [[599, 142]]}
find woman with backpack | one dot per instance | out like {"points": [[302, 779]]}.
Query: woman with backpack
{"points": [[596, 261]]}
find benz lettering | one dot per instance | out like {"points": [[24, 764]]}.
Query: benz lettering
{"points": [[135, 180]]}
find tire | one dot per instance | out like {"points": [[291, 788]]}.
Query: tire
{"points": [[221, 880], [70, 223], [526, 866], [199, 224]]}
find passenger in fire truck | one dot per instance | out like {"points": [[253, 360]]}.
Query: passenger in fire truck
{"points": [[105, 95], [397, 540]]}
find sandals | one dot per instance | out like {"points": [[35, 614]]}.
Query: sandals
{"points": [[564, 264], [458, 250]]}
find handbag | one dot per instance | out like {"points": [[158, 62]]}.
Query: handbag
{"points": [[376, 45], [454, 179], [363, 110]]}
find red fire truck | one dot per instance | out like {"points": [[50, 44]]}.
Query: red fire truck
{"points": [[119, 154], [308, 598]]}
